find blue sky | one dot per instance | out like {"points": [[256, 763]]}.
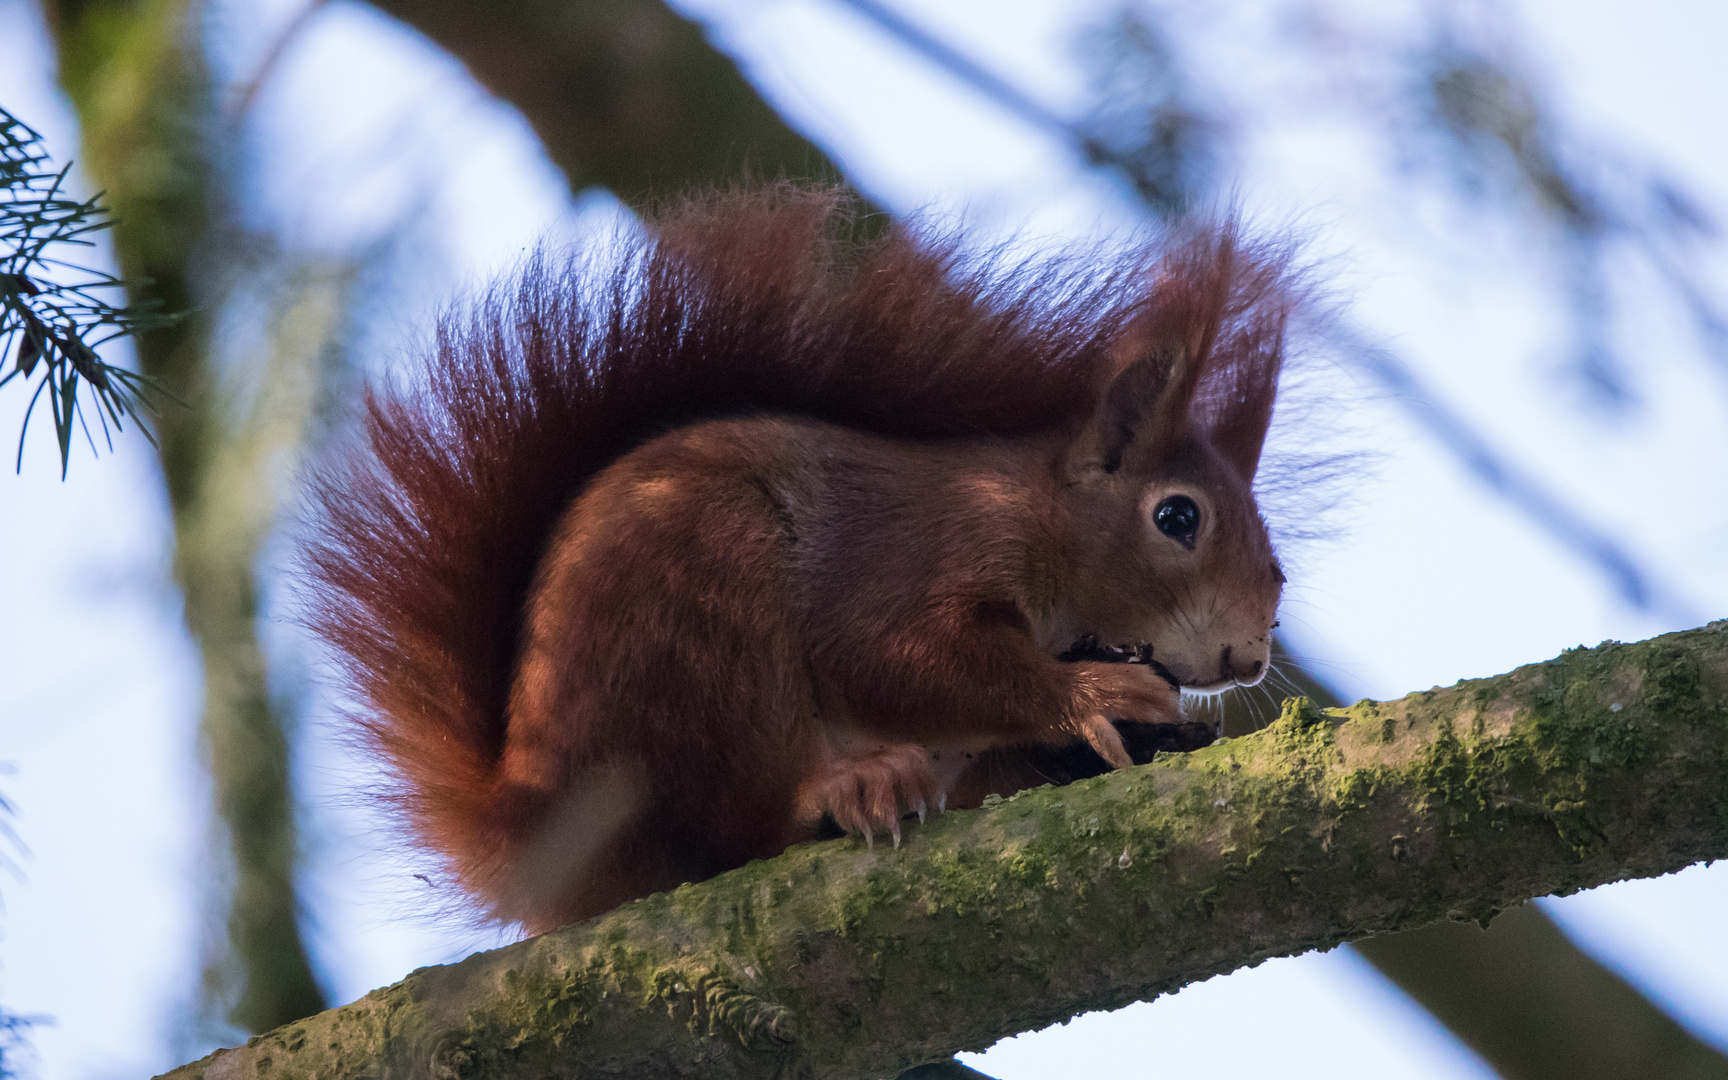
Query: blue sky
{"points": [[1430, 579]]}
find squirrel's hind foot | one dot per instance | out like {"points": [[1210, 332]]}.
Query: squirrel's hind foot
{"points": [[871, 792]]}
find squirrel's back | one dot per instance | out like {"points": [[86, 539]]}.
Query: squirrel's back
{"points": [[429, 538]]}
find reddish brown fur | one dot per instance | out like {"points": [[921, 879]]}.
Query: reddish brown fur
{"points": [[761, 522]]}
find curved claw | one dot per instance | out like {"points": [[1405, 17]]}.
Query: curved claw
{"points": [[1106, 741], [872, 791]]}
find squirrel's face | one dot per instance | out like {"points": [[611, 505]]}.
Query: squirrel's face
{"points": [[1173, 565], [1169, 560]]}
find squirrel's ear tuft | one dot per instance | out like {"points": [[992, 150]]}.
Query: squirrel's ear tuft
{"points": [[1233, 408], [1200, 360]]}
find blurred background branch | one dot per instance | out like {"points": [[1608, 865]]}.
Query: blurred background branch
{"points": [[14, 1028], [1535, 1007], [624, 94], [1470, 116]]}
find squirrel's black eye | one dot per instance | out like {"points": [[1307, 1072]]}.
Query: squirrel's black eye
{"points": [[1178, 518]]}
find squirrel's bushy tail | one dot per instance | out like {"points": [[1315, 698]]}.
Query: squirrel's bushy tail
{"points": [[425, 540]]}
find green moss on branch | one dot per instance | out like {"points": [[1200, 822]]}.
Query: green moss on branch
{"points": [[838, 961]]}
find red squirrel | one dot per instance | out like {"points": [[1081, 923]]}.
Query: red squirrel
{"points": [[669, 561]]}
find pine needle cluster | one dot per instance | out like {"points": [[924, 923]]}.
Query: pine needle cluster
{"points": [[56, 312]]}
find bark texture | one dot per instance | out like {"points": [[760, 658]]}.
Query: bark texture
{"points": [[834, 960], [1526, 999], [1521, 994]]}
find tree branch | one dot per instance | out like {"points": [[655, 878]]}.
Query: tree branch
{"points": [[1575, 1019], [834, 960], [1521, 994], [623, 93]]}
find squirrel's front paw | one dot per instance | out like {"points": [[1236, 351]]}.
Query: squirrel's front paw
{"points": [[870, 792], [1122, 692]]}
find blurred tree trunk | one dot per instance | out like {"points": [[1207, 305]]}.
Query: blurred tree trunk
{"points": [[135, 73], [627, 94]]}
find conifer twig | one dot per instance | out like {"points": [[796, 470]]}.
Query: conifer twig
{"points": [[54, 311]]}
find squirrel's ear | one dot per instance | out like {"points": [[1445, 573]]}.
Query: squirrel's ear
{"points": [[1199, 362], [1146, 404]]}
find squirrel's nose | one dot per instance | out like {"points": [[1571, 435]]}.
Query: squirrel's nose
{"points": [[1245, 669]]}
